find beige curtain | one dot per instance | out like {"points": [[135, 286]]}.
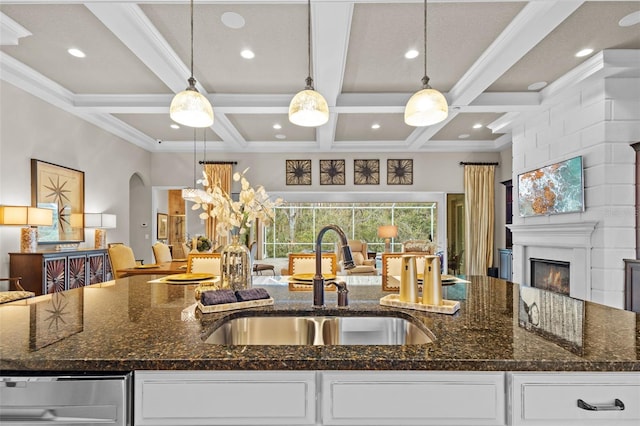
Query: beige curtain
{"points": [[218, 174], [479, 216]]}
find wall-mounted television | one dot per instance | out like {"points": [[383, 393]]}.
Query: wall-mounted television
{"points": [[553, 189]]}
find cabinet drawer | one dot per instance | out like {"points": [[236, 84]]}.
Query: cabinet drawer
{"points": [[552, 398], [413, 398], [224, 398]]}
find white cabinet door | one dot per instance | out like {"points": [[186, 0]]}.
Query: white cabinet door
{"points": [[552, 398], [413, 398], [184, 398]]}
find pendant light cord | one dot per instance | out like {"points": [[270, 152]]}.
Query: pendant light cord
{"points": [[192, 41], [309, 80], [425, 79], [425, 37]]}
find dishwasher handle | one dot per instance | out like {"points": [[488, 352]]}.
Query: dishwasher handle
{"points": [[94, 414]]}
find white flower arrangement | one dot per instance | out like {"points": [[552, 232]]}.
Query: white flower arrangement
{"points": [[236, 217]]}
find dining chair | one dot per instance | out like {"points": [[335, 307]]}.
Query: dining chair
{"points": [[305, 263], [121, 257], [17, 293], [204, 263], [161, 252]]}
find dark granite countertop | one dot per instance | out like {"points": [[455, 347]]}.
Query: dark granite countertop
{"points": [[131, 324]]}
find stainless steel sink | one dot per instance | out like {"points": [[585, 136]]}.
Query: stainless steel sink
{"points": [[319, 330]]}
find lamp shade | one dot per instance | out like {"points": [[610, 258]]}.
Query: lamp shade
{"points": [[99, 220], [426, 107], [308, 108], [191, 108], [387, 231], [25, 215]]}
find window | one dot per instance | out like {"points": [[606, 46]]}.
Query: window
{"points": [[296, 225]]}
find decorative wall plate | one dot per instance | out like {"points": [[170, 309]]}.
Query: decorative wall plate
{"points": [[366, 172], [298, 172], [331, 172], [399, 172]]}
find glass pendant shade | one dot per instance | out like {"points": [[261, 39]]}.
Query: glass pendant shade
{"points": [[308, 108], [190, 108], [426, 107]]}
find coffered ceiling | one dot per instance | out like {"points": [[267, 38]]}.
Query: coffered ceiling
{"points": [[483, 55]]}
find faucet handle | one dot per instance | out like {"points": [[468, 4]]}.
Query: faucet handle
{"points": [[343, 293]]}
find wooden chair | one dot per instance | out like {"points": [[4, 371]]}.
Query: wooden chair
{"points": [[392, 265], [161, 252], [17, 293], [121, 257], [204, 263], [305, 263]]}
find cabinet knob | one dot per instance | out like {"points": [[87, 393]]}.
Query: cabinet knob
{"points": [[617, 406]]}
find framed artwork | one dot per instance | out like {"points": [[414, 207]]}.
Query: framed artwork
{"points": [[331, 172], [62, 190], [399, 172], [298, 172], [366, 172], [162, 226]]}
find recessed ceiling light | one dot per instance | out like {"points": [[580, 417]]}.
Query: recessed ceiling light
{"points": [[232, 20], [76, 52], [375, 126], [464, 136], [247, 54], [537, 86], [477, 126], [277, 126], [281, 136], [631, 19], [174, 126], [584, 52], [413, 53]]}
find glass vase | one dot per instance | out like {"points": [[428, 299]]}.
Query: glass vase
{"points": [[236, 265]]}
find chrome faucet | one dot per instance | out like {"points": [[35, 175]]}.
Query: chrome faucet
{"points": [[318, 279]]}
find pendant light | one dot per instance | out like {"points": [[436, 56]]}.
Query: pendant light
{"points": [[308, 108], [427, 106], [189, 107]]}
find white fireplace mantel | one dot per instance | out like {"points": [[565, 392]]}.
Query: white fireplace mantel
{"points": [[559, 241], [563, 234]]}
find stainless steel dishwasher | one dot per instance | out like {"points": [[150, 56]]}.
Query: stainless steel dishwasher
{"points": [[66, 400]]}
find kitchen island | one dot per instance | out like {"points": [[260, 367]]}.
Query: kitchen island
{"points": [[155, 330], [130, 324]]}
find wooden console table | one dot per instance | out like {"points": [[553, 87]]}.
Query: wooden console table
{"points": [[51, 271]]}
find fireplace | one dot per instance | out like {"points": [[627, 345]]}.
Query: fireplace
{"points": [[552, 275]]}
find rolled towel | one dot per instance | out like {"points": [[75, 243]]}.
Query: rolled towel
{"points": [[252, 294], [217, 297]]}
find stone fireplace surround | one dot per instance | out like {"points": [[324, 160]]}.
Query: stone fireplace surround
{"points": [[568, 242]]}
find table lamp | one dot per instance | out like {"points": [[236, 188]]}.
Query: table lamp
{"points": [[387, 232], [29, 216], [102, 222]]}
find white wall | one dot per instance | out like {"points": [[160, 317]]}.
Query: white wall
{"points": [[32, 128], [597, 119]]}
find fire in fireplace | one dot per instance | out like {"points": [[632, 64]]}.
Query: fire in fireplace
{"points": [[552, 275]]}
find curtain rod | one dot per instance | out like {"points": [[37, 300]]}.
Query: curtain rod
{"points": [[218, 162], [464, 163]]}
